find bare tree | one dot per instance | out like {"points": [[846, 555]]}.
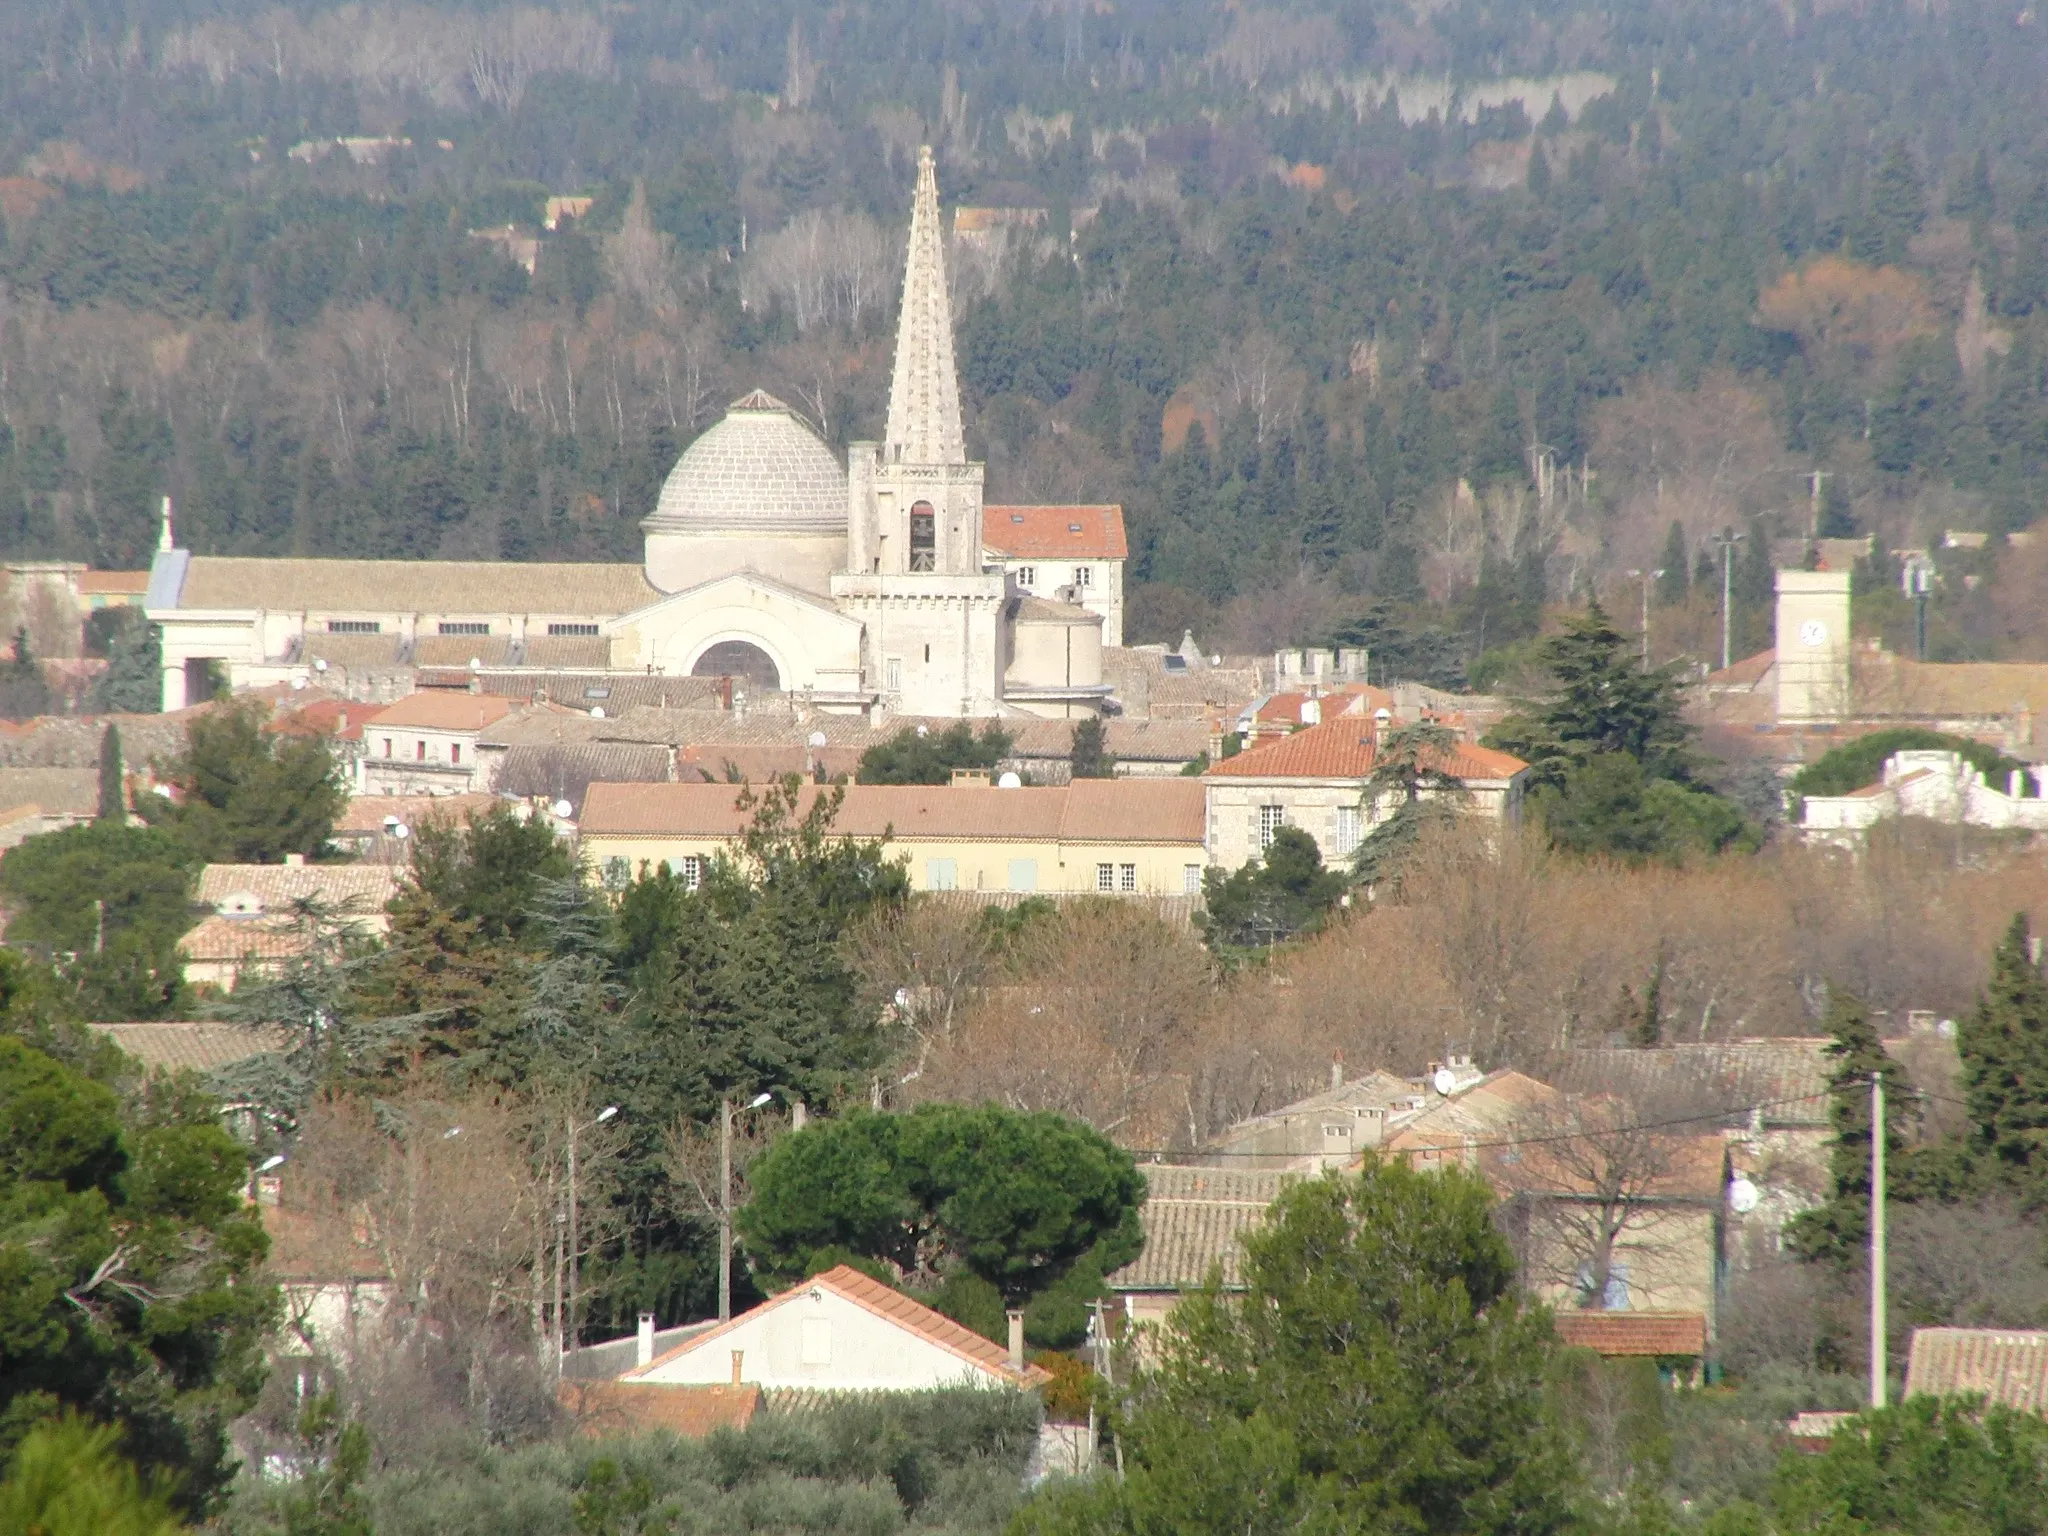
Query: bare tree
{"points": [[639, 255], [922, 965]]}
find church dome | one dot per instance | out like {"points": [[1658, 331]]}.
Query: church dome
{"points": [[760, 469]]}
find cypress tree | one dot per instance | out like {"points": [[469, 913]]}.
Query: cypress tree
{"points": [[1673, 584], [113, 780], [1839, 1230], [2004, 1044]]}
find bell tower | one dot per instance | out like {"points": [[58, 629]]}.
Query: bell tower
{"points": [[914, 560]]}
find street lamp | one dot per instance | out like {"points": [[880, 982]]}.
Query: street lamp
{"points": [[1727, 538], [1648, 577], [565, 1326], [725, 1114]]}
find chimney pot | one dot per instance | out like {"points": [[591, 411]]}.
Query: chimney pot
{"points": [[643, 1351], [1017, 1342], [738, 1358]]}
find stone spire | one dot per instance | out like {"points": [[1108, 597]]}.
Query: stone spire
{"points": [[924, 392]]}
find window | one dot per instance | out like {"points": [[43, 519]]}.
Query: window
{"points": [[387, 746], [1127, 879], [892, 673], [1191, 879], [454, 752], [692, 871], [1023, 874], [1084, 575], [419, 751], [816, 1345], [464, 627], [1105, 877], [1350, 828], [572, 629], [354, 627], [924, 537], [1271, 819], [1027, 576], [927, 655], [941, 875]]}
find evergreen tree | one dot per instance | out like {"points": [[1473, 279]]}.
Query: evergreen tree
{"points": [[113, 804], [246, 796], [1410, 787], [1837, 513], [1672, 586], [1898, 204], [1271, 899], [23, 693], [1839, 1230], [2004, 1046], [1539, 173], [133, 682], [1088, 757]]}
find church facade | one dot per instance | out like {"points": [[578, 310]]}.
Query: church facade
{"points": [[883, 586]]}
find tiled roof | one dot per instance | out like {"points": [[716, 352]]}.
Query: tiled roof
{"points": [[1088, 810], [365, 814], [460, 650], [230, 940], [1037, 610], [277, 886], [316, 1246], [54, 791], [1375, 1089], [567, 772], [1050, 533], [341, 718], [712, 763], [436, 711], [1346, 748], [1634, 1333], [1746, 673], [2009, 1366], [461, 587], [1336, 702], [73, 741], [756, 467], [634, 1408], [196, 1044], [890, 1305], [1695, 1078], [1195, 1218], [113, 583], [542, 725], [1486, 1111], [615, 693], [347, 651]]}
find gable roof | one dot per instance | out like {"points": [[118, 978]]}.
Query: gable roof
{"points": [[1087, 532], [435, 710], [2008, 1365], [689, 1412], [1347, 748], [54, 791], [231, 940], [1634, 1333], [892, 1306], [198, 1045], [1788, 1076], [277, 886], [1196, 1218]]}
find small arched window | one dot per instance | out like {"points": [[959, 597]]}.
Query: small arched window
{"points": [[924, 537]]}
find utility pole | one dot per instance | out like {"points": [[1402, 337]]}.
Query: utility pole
{"points": [[725, 1210], [1877, 1340], [1918, 580], [1728, 538], [1648, 577], [575, 1293], [1814, 478]]}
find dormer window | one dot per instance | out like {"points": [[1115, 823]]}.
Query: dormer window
{"points": [[924, 537]]}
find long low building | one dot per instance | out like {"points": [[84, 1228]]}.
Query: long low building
{"points": [[1121, 837]]}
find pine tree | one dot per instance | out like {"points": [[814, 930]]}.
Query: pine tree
{"points": [[1672, 585], [1898, 204], [113, 777], [2004, 1045], [1838, 1230]]}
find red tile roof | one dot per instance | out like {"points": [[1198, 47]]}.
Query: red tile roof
{"points": [[113, 583], [626, 1408], [2008, 1365], [437, 711], [890, 1305], [1048, 533], [1346, 748], [1634, 1333], [342, 718]]}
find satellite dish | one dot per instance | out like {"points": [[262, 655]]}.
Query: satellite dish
{"points": [[1743, 1196], [924, 730], [1009, 781], [476, 663], [320, 665], [597, 711], [401, 831], [1444, 1081], [564, 808], [298, 684], [817, 738]]}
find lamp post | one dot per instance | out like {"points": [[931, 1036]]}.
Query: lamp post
{"points": [[1647, 576], [725, 1113], [566, 1326], [1727, 538], [1877, 1297]]}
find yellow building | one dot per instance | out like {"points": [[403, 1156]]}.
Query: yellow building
{"points": [[1117, 837]]}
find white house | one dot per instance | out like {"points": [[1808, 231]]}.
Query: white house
{"points": [[843, 1332], [1941, 786], [1073, 554], [426, 744]]}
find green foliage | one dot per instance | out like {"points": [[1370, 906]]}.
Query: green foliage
{"points": [[1408, 790], [920, 755], [1839, 1230], [133, 681], [113, 804], [1380, 1372], [1607, 805], [245, 796], [1017, 1200], [68, 1478], [2004, 1046], [23, 693], [489, 871], [1088, 757], [126, 1260], [1855, 764], [1281, 896], [324, 1497]]}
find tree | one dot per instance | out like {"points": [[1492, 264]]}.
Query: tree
{"points": [[1280, 896], [1674, 583], [1016, 1200], [68, 1478], [489, 871], [127, 1268], [1898, 207], [1608, 805], [1408, 790], [133, 682], [2004, 1046], [1380, 1371], [921, 755], [113, 804], [1854, 764], [1839, 1230], [1088, 757], [244, 796], [23, 693]]}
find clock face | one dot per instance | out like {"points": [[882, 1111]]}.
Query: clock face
{"points": [[1813, 634]]}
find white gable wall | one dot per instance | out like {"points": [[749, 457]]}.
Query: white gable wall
{"points": [[819, 1339]]}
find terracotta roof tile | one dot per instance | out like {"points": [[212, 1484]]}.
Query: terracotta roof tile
{"points": [[2009, 1366], [1346, 748], [55, 791], [277, 886], [366, 814], [436, 711], [113, 583], [1196, 1218], [174, 1045], [629, 1408], [228, 940], [1049, 533], [1634, 1333]]}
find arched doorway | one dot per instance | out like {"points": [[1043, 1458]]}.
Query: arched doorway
{"points": [[740, 659]]}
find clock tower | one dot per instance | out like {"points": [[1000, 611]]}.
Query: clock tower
{"points": [[1813, 647]]}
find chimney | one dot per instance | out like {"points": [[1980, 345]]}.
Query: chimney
{"points": [[738, 1357], [1017, 1342], [643, 1345], [294, 860], [1337, 1069]]}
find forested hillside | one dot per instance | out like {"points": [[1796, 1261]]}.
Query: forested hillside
{"points": [[1384, 323]]}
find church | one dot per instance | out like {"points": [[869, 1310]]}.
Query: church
{"points": [[880, 587]]}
